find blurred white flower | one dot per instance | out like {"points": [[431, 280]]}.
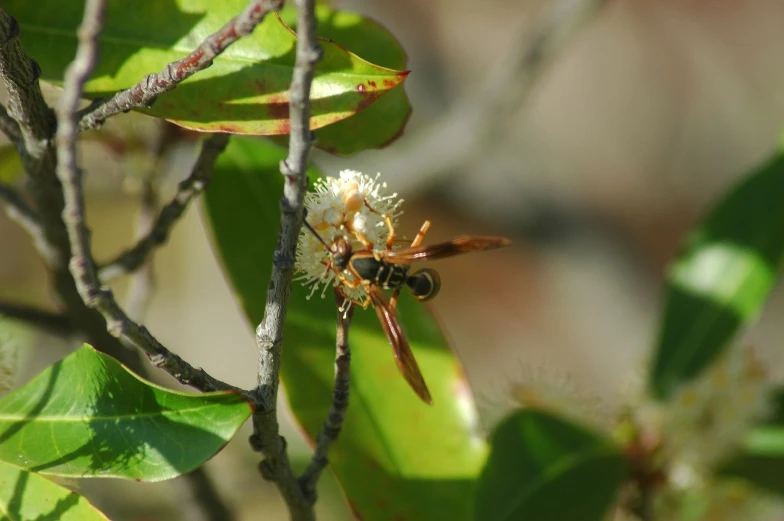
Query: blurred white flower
{"points": [[341, 207], [552, 391], [707, 418]]}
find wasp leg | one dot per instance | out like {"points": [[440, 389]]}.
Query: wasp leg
{"points": [[323, 275], [351, 285], [393, 300], [388, 221], [420, 236], [364, 240]]}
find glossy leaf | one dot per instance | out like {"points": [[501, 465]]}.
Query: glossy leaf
{"points": [[245, 91], [87, 416], [382, 121], [542, 468], [396, 458], [722, 277], [26, 496], [761, 459]]}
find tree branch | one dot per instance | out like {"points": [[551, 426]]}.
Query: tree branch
{"points": [[19, 211], [10, 128], [26, 103], [82, 264], [188, 189], [52, 322], [37, 126], [142, 284], [269, 334], [144, 93], [337, 411]]}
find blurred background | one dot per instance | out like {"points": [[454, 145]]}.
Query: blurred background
{"points": [[647, 114]]}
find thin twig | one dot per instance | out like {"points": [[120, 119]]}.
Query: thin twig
{"points": [[19, 211], [142, 284], [472, 125], [337, 410], [52, 322], [82, 264], [133, 258], [269, 334], [144, 93]]}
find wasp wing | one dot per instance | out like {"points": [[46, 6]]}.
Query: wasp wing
{"points": [[456, 246], [403, 355]]}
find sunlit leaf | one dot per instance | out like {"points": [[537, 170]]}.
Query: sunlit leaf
{"points": [[396, 458], [26, 496], [88, 416], [245, 91], [381, 122], [542, 468], [722, 277]]}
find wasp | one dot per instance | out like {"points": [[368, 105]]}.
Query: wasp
{"points": [[378, 269]]}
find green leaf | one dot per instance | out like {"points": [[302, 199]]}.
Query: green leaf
{"points": [[26, 496], [245, 91], [10, 164], [87, 416], [761, 460], [542, 468], [722, 277], [382, 122], [396, 458]]}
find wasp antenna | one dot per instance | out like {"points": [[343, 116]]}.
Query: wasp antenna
{"points": [[316, 234]]}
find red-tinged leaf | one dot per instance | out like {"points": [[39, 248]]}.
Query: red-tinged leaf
{"points": [[383, 121], [245, 91]]}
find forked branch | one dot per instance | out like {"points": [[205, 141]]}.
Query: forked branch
{"points": [[82, 264]]}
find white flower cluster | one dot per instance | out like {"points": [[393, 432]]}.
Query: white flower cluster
{"points": [[699, 427], [348, 206], [680, 442], [553, 391], [707, 418]]}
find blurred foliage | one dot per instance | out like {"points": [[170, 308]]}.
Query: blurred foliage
{"points": [[546, 469], [722, 277]]}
